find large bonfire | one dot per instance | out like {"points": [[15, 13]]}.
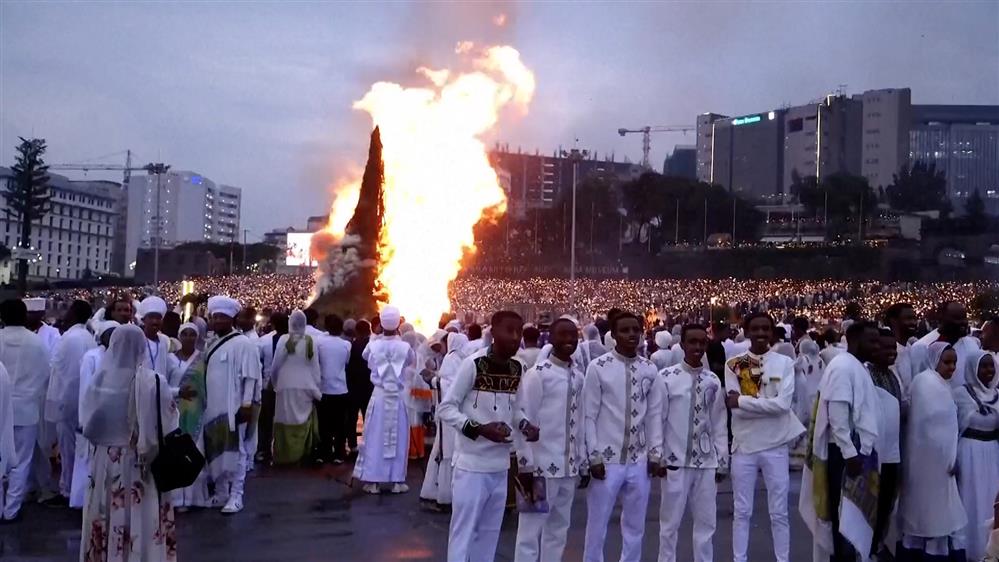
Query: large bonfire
{"points": [[436, 181]]}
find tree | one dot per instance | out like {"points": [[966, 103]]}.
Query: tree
{"points": [[841, 198], [28, 197], [974, 208], [919, 187]]}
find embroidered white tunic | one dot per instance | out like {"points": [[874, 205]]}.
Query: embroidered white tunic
{"points": [[552, 392], [622, 405], [696, 432]]}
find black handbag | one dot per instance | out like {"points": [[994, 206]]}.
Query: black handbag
{"points": [[178, 462]]}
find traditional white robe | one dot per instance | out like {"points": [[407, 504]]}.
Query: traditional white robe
{"points": [[63, 396], [157, 357], [7, 452], [383, 455], [81, 467], [437, 481], [921, 357]]}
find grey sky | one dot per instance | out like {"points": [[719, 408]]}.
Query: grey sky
{"points": [[258, 95]]}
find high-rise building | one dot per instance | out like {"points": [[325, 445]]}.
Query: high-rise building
{"points": [[682, 163], [963, 141], [187, 208], [537, 180], [705, 142], [885, 134], [74, 239], [747, 154], [820, 138]]}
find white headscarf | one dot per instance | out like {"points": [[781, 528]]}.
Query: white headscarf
{"points": [[198, 340], [104, 327], [663, 339], [987, 394], [107, 411], [223, 305], [152, 305], [934, 353], [390, 317], [456, 342]]}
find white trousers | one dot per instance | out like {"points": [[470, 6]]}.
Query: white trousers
{"points": [[688, 486], [249, 446], [774, 464], [66, 436], [17, 480], [81, 473], [232, 484], [541, 536], [631, 482], [41, 461], [476, 515]]}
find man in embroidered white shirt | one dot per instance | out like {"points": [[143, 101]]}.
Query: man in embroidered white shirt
{"points": [[760, 384], [695, 447], [552, 392], [622, 407]]}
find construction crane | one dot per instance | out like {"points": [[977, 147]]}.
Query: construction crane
{"points": [[647, 137]]}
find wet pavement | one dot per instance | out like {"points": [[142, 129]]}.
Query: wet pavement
{"points": [[313, 514]]}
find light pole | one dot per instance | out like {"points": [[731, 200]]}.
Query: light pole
{"points": [[574, 156], [158, 169]]}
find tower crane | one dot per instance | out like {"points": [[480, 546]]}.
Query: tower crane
{"points": [[647, 137]]}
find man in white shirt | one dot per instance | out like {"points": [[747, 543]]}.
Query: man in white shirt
{"points": [[64, 389], [695, 447], [893, 404], [953, 329], [552, 398], [760, 385], [528, 355], [334, 352], [36, 323], [23, 353], [41, 466], [157, 355], [490, 377], [246, 323], [622, 404], [901, 318]]}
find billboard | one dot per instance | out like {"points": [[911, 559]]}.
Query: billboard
{"points": [[297, 250]]}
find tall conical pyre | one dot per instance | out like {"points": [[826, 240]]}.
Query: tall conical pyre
{"points": [[347, 283]]}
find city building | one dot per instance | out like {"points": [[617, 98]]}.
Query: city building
{"points": [[537, 180], [188, 208], [885, 136], [682, 163], [963, 141], [705, 144], [75, 238], [747, 154], [820, 138]]}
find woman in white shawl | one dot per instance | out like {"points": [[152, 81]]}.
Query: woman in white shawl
{"points": [[124, 516], [808, 369], [933, 517], [418, 399], [437, 481], [296, 376], [181, 361], [7, 452], [978, 449]]}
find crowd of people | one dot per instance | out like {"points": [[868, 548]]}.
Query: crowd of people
{"points": [[889, 408]]}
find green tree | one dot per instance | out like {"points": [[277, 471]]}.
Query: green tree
{"points": [[28, 197], [919, 187], [974, 208], [844, 199]]}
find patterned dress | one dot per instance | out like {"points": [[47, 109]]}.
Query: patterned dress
{"points": [[124, 518]]}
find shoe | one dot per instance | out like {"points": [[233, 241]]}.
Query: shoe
{"points": [[399, 488], [371, 489], [234, 505], [56, 501]]}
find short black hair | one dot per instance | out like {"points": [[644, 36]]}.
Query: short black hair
{"points": [[311, 316], [800, 323], [853, 309], [551, 329], [498, 318], [942, 308], [532, 334], [858, 328], [334, 324], [13, 312], [623, 315], [474, 332], [894, 311], [279, 321], [80, 311], [690, 327], [753, 316], [886, 333], [362, 328]]}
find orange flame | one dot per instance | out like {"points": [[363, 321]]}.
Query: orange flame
{"points": [[438, 179]]}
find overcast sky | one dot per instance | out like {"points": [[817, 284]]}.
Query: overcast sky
{"points": [[259, 95]]}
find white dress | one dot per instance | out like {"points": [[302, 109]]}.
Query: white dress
{"points": [[384, 452], [978, 467]]}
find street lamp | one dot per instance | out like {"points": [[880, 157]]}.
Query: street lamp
{"points": [[158, 170], [574, 156]]}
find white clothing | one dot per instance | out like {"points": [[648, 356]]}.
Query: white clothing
{"points": [[853, 407], [437, 481], [23, 354], [622, 404], [581, 356], [977, 460], [473, 385], [541, 536], [763, 421], [964, 347], [61, 398], [695, 433], [223, 305], [662, 358], [476, 515], [81, 465], [334, 352], [695, 487], [17, 477], [266, 347], [50, 337], [8, 456], [156, 355], [384, 453], [890, 430], [552, 393], [930, 505], [152, 305], [830, 352], [528, 356], [775, 465], [904, 368], [630, 481], [232, 378]]}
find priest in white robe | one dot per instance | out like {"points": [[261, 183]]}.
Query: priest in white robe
{"points": [[695, 450], [841, 472], [552, 392], [64, 388], [384, 454], [23, 354], [157, 357], [8, 454], [41, 481], [232, 383]]}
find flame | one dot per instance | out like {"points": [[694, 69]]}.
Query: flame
{"points": [[438, 179], [345, 199]]}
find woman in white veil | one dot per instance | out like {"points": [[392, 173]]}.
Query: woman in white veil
{"points": [[296, 377], [124, 517]]}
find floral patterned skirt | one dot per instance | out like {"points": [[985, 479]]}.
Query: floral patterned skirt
{"points": [[124, 518]]}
